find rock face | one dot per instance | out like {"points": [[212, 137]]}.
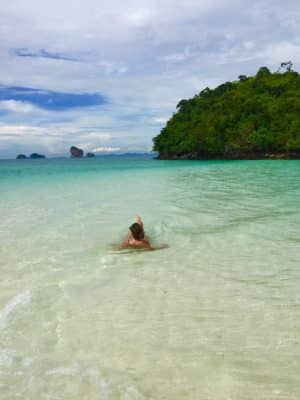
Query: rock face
{"points": [[90, 155], [36, 155], [292, 155], [21, 157], [76, 152]]}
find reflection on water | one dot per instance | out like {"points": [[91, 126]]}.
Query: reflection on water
{"points": [[214, 316]]}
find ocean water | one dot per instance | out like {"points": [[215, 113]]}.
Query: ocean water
{"points": [[216, 316]]}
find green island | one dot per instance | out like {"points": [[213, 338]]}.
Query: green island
{"points": [[255, 117]]}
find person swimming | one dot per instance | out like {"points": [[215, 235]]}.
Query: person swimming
{"points": [[136, 237]]}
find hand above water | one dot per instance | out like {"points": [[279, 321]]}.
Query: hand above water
{"points": [[138, 219]]}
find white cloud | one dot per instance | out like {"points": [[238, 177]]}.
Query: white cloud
{"points": [[112, 67], [20, 130], [160, 120], [18, 106], [106, 149], [248, 44], [176, 57], [138, 17], [275, 53], [97, 136]]}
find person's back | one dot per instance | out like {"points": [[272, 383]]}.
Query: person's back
{"points": [[136, 237]]}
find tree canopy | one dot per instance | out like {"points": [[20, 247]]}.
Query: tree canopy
{"points": [[251, 117]]}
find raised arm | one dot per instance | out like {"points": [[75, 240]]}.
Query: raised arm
{"points": [[138, 220]]}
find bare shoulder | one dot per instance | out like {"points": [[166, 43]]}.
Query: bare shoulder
{"points": [[126, 242]]}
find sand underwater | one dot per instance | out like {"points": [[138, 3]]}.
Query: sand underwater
{"points": [[216, 316]]}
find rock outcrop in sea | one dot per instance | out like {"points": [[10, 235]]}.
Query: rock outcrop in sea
{"points": [[76, 152], [36, 155], [90, 154], [21, 157]]}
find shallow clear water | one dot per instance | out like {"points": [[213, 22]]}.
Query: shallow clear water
{"points": [[215, 317]]}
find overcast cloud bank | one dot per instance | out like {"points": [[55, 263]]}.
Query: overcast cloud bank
{"points": [[107, 76]]}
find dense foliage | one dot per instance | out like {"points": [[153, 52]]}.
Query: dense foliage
{"points": [[249, 117]]}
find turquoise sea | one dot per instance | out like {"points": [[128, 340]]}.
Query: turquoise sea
{"points": [[216, 316]]}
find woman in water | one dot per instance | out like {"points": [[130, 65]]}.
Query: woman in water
{"points": [[136, 238]]}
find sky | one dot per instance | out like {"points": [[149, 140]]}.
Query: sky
{"points": [[106, 76]]}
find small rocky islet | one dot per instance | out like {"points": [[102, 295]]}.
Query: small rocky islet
{"points": [[75, 152], [32, 156]]}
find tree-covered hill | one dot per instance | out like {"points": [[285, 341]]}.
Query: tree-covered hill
{"points": [[254, 117]]}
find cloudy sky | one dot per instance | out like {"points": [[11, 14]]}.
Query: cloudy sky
{"points": [[106, 75]]}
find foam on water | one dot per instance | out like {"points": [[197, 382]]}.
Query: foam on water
{"points": [[17, 301]]}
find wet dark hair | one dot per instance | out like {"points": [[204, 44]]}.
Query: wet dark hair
{"points": [[137, 231]]}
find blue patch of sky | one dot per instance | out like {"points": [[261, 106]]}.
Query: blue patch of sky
{"points": [[51, 100], [42, 53]]}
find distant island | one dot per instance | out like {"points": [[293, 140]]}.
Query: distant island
{"points": [[32, 156], [255, 117], [76, 152], [21, 157], [36, 155]]}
